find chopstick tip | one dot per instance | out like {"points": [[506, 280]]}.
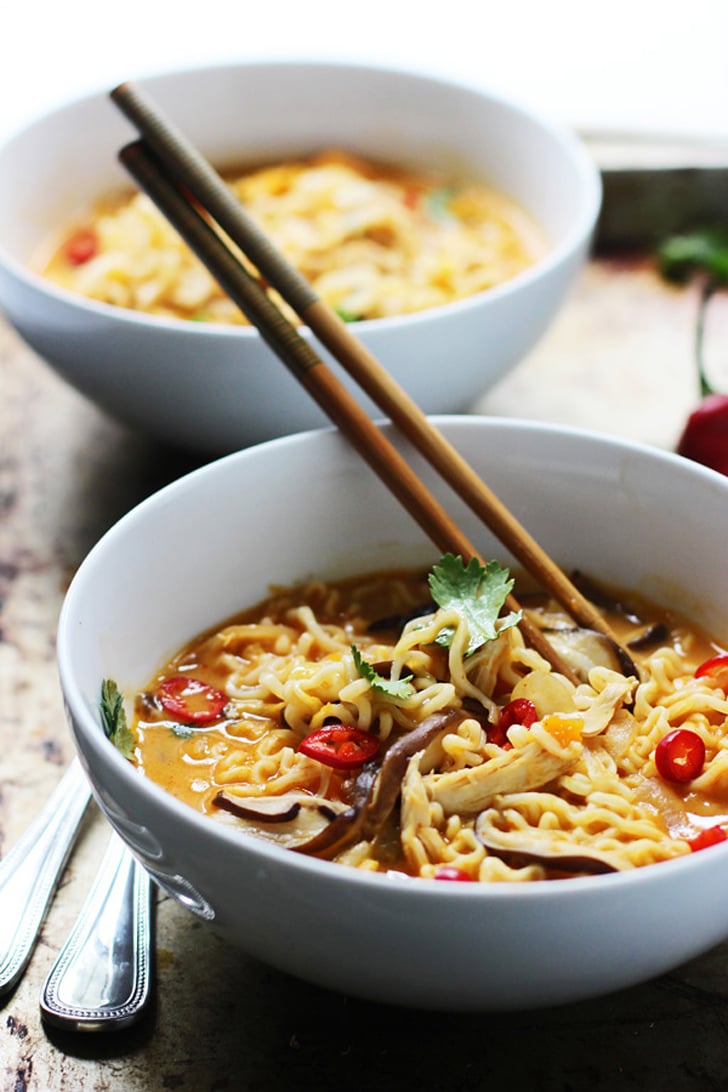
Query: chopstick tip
{"points": [[124, 93]]}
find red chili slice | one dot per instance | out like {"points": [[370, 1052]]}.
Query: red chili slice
{"points": [[190, 700], [339, 746], [496, 735], [452, 872], [680, 755], [710, 837], [81, 246], [716, 667], [519, 711]]}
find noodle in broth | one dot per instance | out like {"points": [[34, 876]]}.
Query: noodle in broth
{"points": [[572, 788], [372, 240]]}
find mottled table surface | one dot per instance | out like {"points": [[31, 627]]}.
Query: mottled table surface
{"points": [[618, 359]]}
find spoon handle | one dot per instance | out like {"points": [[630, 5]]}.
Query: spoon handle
{"points": [[101, 980], [29, 872]]}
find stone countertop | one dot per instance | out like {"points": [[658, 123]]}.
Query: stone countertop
{"points": [[619, 359]]}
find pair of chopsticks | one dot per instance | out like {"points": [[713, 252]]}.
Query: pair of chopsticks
{"points": [[196, 201]]}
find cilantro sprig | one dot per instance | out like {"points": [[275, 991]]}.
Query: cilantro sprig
{"points": [[399, 689], [698, 252], [113, 719], [478, 593]]}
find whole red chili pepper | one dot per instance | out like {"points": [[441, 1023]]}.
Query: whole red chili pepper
{"points": [[705, 436]]}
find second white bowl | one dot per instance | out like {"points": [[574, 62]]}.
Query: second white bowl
{"points": [[215, 388]]}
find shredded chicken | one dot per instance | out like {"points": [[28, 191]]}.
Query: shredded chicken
{"points": [[601, 710], [470, 790]]}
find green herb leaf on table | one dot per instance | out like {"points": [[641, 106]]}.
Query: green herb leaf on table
{"points": [[113, 719], [680, 256], [399, 689], [478, 593]]}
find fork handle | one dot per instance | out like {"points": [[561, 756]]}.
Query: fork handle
{"points": [[29, 872], [101, 980]]}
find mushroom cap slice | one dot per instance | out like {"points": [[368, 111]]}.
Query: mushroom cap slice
{"points": [[539, 848], [377, 788], [583, 649], [288, 819], [276, 809]]}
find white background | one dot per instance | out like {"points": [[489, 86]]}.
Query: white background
{"points": [[638, 65]]}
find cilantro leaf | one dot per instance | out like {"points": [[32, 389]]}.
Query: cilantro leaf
{"points": [[346, 316], [182, 731], [437, 203], [477, 592], [393, 688], [113, 719]]}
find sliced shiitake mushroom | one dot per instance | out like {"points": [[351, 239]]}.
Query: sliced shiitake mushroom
{"points": [[287, 820], [585, 648], [519, 847], [655, 634], [276, 809], [377, 788]]}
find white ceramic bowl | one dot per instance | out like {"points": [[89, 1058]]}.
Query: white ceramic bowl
{"points": [[305, 505], [215, 388]]}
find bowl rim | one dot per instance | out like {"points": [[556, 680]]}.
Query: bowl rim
{"points": [[394, 884], [567, 140]]}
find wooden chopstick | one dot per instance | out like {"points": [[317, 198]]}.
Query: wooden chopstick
{"points": [[304, 363], [193, 171], [166, 165]]}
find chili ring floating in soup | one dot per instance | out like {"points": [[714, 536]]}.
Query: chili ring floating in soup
{"points": [[398, 722], [373, 240]]}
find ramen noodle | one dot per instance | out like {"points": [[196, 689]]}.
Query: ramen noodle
{"points": [[372, 240], [398, 722]]}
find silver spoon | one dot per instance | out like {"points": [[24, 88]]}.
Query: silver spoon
{"points": [[29, 872], [101, 980]]}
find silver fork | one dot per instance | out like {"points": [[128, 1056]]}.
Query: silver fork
{"points": [[29, 872], [101, 979]]}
